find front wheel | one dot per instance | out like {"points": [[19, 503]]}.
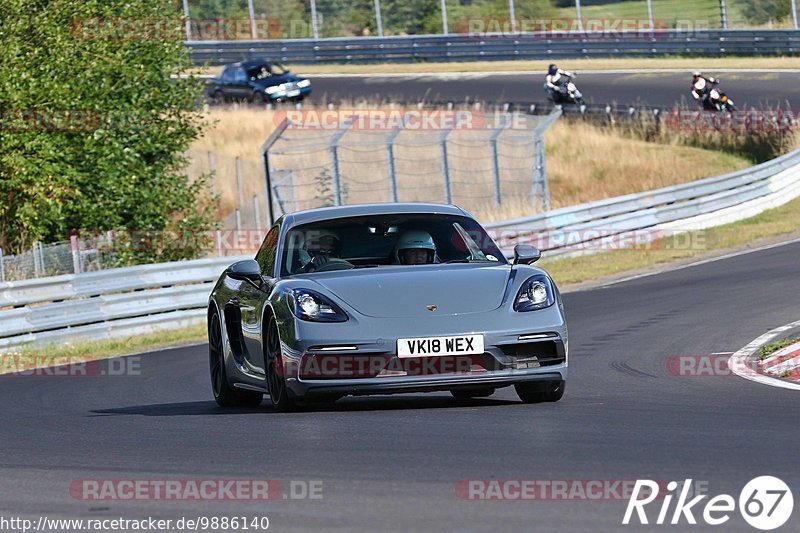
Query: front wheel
{"points": [[224, 394], [540, 391], [276, 381]]}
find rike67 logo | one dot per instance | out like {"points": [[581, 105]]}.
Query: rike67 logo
{"points": [[765, 503]]}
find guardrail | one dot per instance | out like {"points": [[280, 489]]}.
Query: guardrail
{"points": [[141, 299], [116, 302], [686, 207], [491, 47]]}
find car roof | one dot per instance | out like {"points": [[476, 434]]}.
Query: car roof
{"points": [[252, 63], [409, 208]]}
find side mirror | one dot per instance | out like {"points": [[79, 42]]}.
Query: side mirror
{"points": [[249, 269], [526, 254]]}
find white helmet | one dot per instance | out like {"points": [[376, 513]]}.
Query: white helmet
{"points": [[415, 240]]}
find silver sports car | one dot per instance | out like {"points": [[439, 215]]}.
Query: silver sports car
{"points": [[384, 299]]}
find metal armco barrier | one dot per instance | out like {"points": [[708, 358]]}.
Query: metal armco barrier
{"points": [[116, 302], [489, 47], [686, 207], [141, 299]]}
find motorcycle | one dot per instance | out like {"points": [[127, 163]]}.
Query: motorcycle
{"points": [[716, 100], [568, 93]]}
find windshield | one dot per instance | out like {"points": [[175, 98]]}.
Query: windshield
{"points": [[377, 241]]}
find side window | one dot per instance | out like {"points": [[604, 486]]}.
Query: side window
{"points": [[227, 74], [268, 252], [239, 75]]}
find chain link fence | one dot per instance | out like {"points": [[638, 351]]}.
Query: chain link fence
{"points": [[487, 163]]}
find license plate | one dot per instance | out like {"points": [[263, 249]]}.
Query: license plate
{"points": [[293, 93], [435, 346]]}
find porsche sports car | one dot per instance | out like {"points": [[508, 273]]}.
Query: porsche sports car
{"points": [[384, 299]]}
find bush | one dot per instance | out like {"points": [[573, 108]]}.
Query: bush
{"points": [[95, 129]]}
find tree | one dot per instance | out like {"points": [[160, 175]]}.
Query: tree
{"points": [[763, 11], [94, 127]]}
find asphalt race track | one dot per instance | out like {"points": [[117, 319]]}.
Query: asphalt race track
{"points": [[657, 89], [392, 463]]}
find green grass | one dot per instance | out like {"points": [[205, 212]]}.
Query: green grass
{"points": [[667, 12], [769, 349], [780, 221], [28, 357]]}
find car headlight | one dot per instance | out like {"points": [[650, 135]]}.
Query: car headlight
{"points": [[535, 293], [314, 307], [273, 89], [304, 83]]}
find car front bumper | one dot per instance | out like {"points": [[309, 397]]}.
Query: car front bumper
{"points": [[526, 347]]}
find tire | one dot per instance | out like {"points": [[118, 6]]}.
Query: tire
{"points": [[218, 97], [463, 394], [224, 394], [276, 383], [542, 391]]}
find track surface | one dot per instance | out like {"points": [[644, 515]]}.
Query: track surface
{"points": [[392, 463], [667, 89]]}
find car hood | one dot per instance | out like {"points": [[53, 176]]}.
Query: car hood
{"points": [[276, 80], [406, 292]]}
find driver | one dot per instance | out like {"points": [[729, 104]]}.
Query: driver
{"points": [[323, 247], [701, 85], [415, 248], [556, 78]]}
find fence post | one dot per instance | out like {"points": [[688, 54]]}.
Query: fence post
{"points": [[75, 245], [219, 243], [238, 221], [498, 198], [578, 14], [256, 212], [448, 193], [187, 20], [650, 14], [794, 14], [251, 13], [239, 185], [539, 193], [2, 267], [512, 15], [444, 17], [378, 18], [334, 147], [723, 14], [390, 158], [37, 260], [314, 25]]}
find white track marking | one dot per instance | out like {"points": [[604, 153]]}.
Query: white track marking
{"points": [[738, 362]]}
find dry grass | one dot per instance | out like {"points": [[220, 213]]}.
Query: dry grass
{"points": [[585, 163]]}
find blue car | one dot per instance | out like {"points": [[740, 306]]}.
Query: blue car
{"points": [[257, 81], [384, 299]]}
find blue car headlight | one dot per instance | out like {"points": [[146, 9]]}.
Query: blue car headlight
{"points": [[314, 307], [536, 293]]}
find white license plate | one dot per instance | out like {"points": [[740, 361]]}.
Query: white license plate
{"points": [[293, 93], [434, 346]]}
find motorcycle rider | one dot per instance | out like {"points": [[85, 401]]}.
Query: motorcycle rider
{"points": [[556, 79], [701, 85]]}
